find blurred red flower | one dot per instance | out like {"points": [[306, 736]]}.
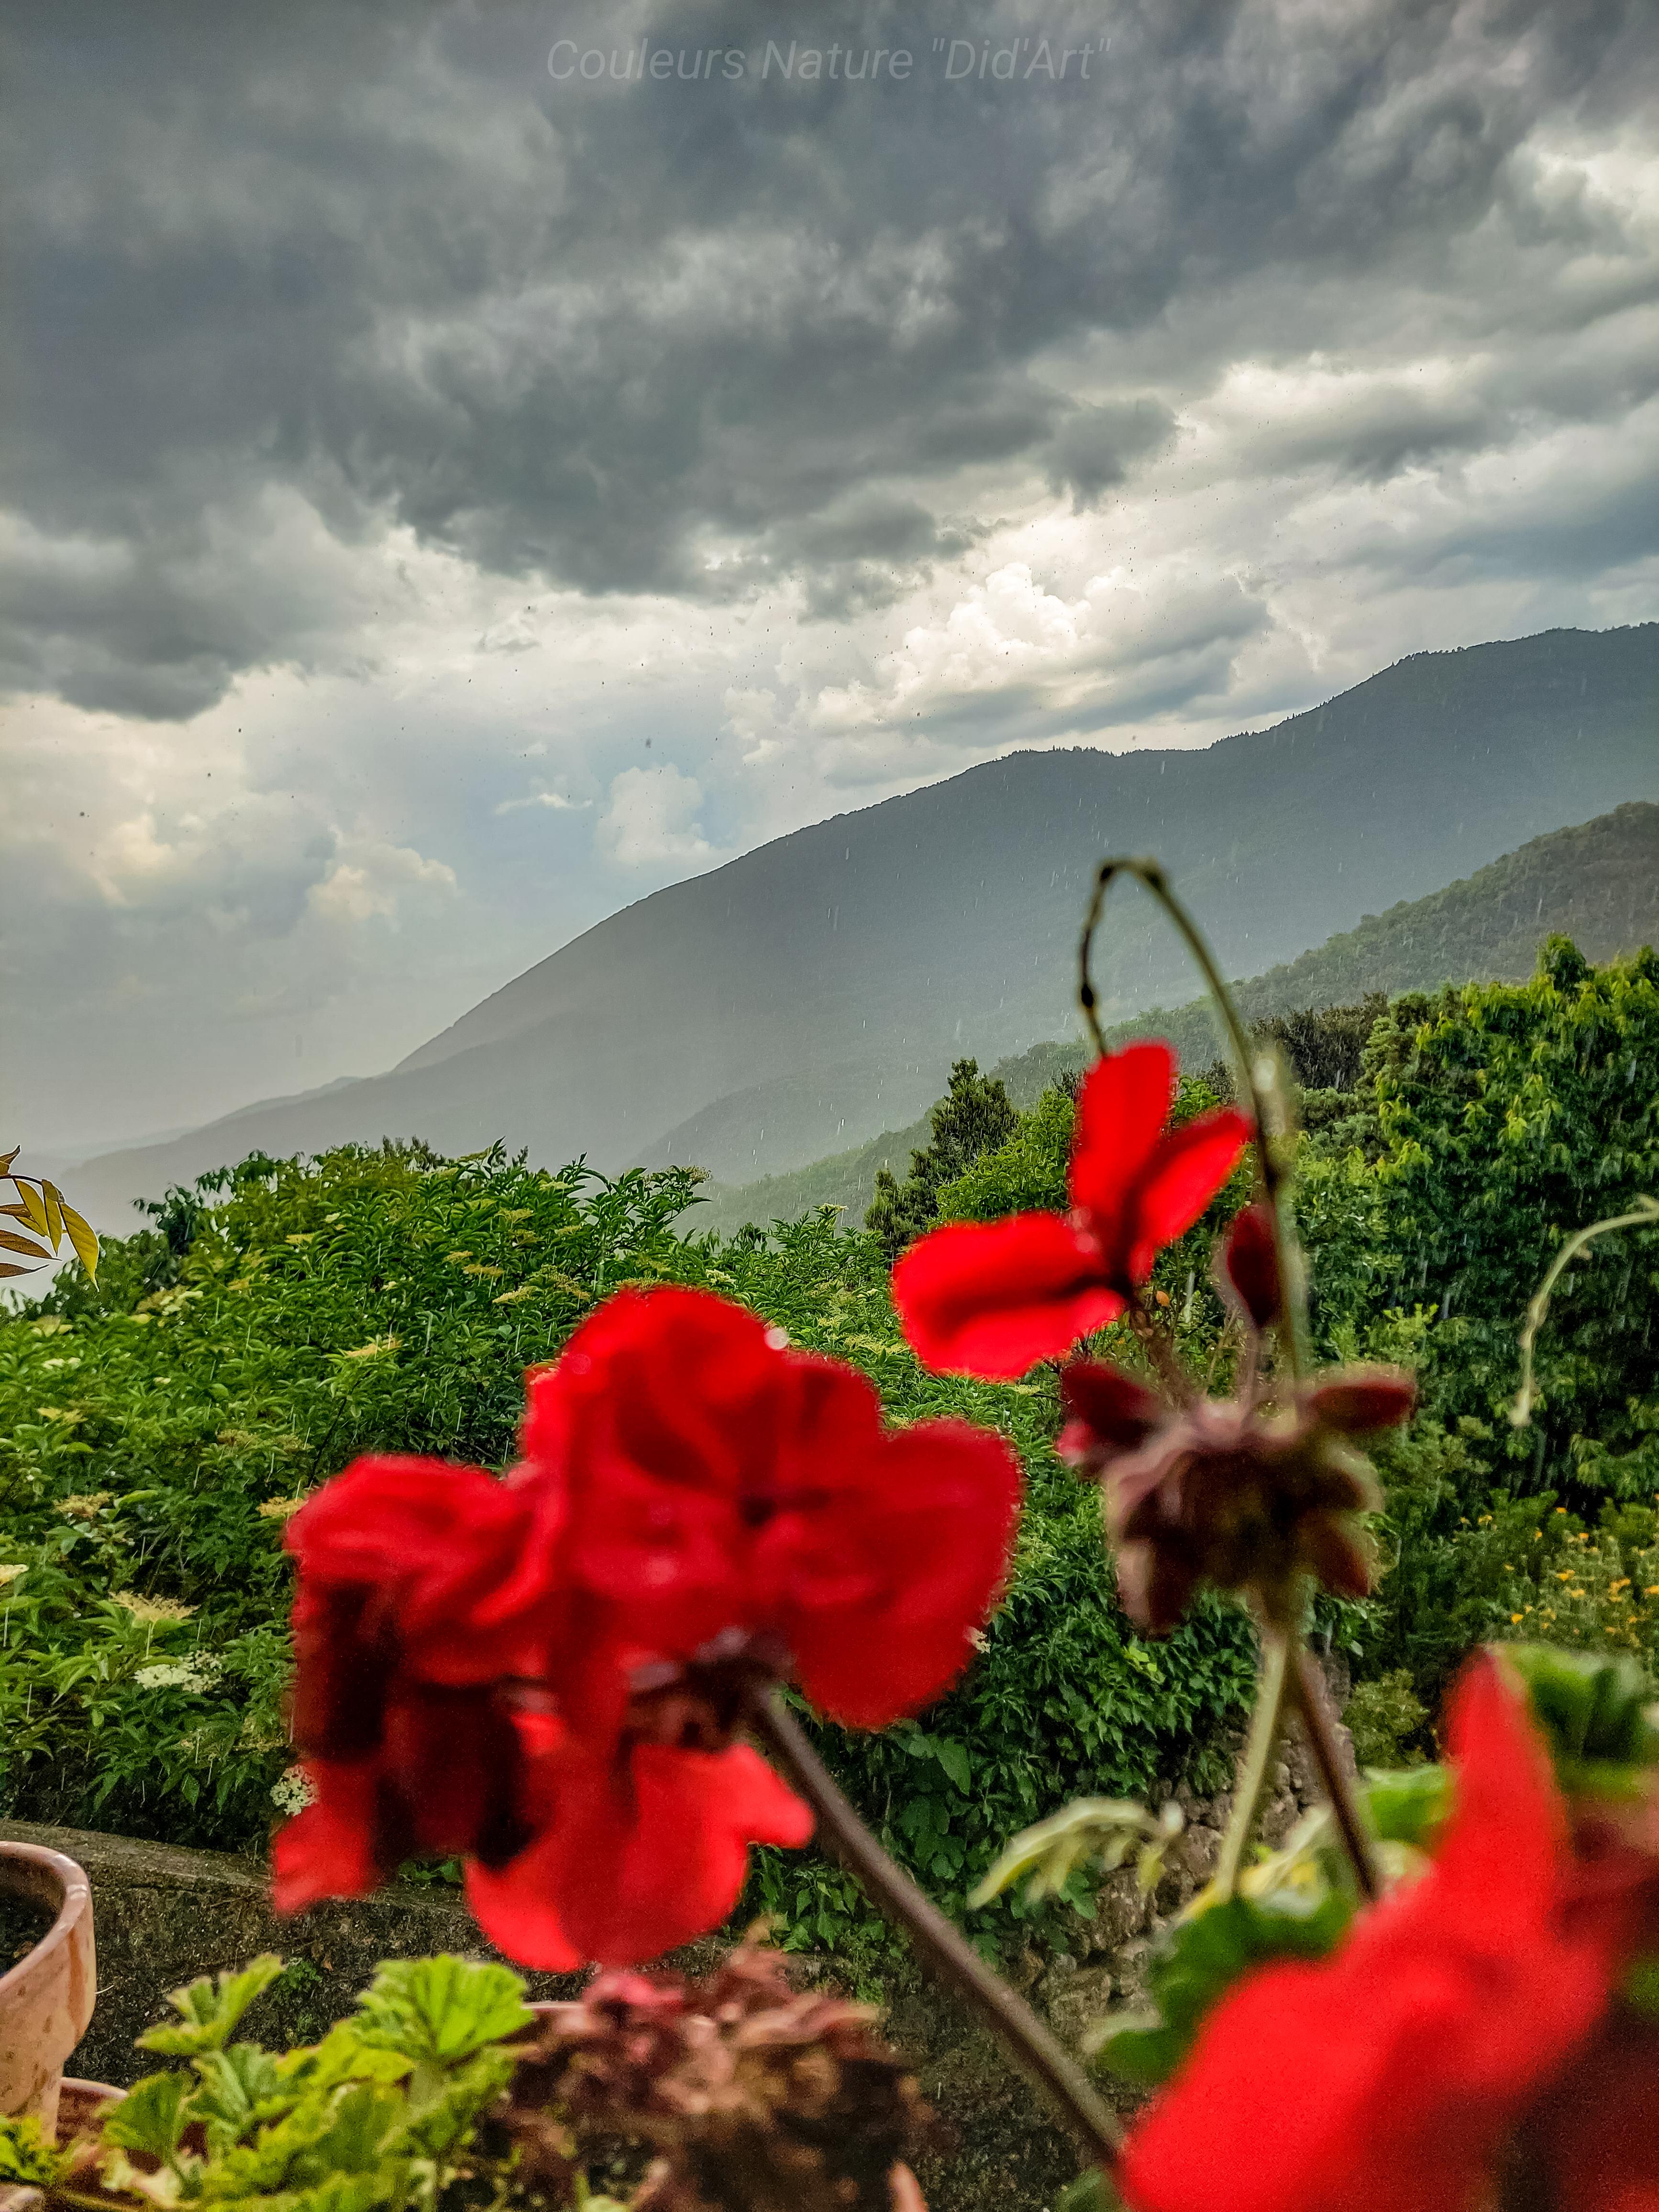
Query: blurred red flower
{"points": [[422, 1588], [1397, 2075], [544, 1675], [638, 1850], [992, 1298], [720, 1490]]}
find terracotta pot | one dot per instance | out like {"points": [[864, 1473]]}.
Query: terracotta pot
{"points": [[46, 1999]]}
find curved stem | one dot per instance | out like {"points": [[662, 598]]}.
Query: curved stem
{"points": [[1270, 1176], [943, 1947], [1310, 1692], [1644, 1217], [1160, 1352], [1265, 1725]]}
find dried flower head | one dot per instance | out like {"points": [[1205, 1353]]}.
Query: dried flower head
{"points": [[753, 2094], [1230, 1491]]}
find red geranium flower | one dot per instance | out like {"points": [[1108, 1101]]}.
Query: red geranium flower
{"points": [[1394, 2077], [638, 1850], [992, 1298], [722, 1491], [545, 1675], [422, 1588]]}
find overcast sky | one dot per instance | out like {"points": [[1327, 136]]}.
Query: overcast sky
{"points": [[449, 492]]}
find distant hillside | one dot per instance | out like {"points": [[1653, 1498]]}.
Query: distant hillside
{"points": [[1599, 884], [943, 922]]}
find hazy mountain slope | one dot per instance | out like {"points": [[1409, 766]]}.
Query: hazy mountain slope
{"points": [[1598, 883], [944, 920]]}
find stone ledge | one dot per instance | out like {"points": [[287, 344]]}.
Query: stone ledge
{"points": [[163, 1915]]}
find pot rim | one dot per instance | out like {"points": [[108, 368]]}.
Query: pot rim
{"points": [[73, 1903]]}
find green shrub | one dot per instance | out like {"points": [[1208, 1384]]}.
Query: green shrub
{"points": [[1386, 1718]]}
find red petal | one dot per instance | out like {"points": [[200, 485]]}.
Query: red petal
{"points": [[328, 1849], [931, 1533], [663, 1420], [460, 1561], [1114, 1407], [1364, 1399], [646, 1861], [1250, 1265], [1408, 2057], [1123, 1104], [515, 1907], [1184, 1174], [993, 1298]]}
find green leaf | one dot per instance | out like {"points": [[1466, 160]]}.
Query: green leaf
{"points": [[211, 2010], [151, 2117], [26, 2158], [239, 2088], [363, 2119], [1408, 1807], [1641, 1988], [1598, 1715], [1105, 1829], [1092, 2192], [1202, 1957], [439, 2011], [953, 1758]]}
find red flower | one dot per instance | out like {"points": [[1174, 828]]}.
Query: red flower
{"points": [[640, 1852], [423, 1588], [992, 1298], [1394, 2077], [721, 1490], [544, 1675]]}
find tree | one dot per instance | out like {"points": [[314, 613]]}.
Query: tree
{"points": [[974, 1116]]}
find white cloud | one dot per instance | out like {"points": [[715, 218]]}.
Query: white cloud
{"points": [[372, 886], [653, 818], [555, 800]]}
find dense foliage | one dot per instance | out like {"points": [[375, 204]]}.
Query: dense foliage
{"points": [[158, 1429], [155, 1431]]}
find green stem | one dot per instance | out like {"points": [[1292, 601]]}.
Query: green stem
{"points": [[1272, 1682], [943, 1947], [1272, 1181], [1308, 1688]]}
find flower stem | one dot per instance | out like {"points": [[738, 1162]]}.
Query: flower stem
{"points": [[943, 1948], [1309, 1690], [1272, 1683], [1271, 1178]]}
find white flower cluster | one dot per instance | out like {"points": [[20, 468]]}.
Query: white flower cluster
{"points": [[195, 1674], [293, 1790]]}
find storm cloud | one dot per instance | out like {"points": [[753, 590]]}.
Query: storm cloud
{"points": [[833, 433]]}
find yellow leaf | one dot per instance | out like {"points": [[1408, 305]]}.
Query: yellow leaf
{"points": [[6, 1159], [83, 1237], [54, 1212], [34, 1212], [13, 1242]]}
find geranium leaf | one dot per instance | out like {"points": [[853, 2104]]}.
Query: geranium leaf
{"points": [[1202, 1958], [439, 2011], [1597, 1713], [150, 2119], [209, 2010]]}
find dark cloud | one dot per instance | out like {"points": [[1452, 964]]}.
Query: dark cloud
{"points": [[693, 338], [1095, 447]]}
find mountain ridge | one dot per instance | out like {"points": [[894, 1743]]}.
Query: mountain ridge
{"points": [[944, 921], [1597, 882]]}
